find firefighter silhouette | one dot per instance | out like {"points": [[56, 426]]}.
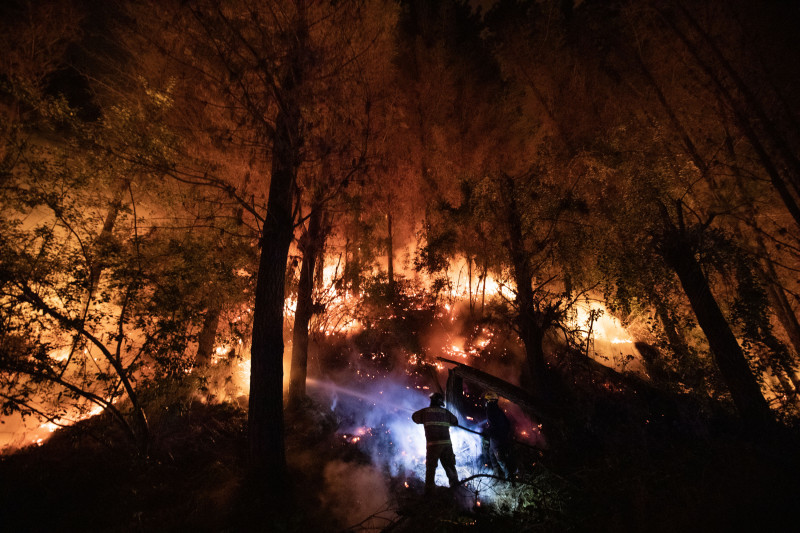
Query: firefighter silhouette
{"points": [[437, 421]]}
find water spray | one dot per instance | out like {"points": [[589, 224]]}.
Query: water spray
{"points": [[336, 389]]}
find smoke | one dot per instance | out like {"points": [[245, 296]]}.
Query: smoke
{"points": [[377, 419], [355, 492]]}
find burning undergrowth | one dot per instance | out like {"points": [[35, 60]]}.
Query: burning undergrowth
{"points": [[357, 459], [358, 447]]}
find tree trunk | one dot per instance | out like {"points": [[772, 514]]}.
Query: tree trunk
{"points": [[753, 106], [673, 118], [347, 263], [483, 290], [265, 416], [532, 336], [208, 334], [782, 307], [786, 367], [530, 331], [677, 342], [775, 292], [105, 234], [469, 285], [745, 124], [687, 363], [96, 264], [305, 309], [780, 303], [727, 353], [390, 254]]}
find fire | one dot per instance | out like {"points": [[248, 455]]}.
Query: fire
{"points": [[608, 336], [60, 355], [483, 343], [50, 426], [290, 306], [40, 434], [462, 286], [617, 340], [457, 349]]}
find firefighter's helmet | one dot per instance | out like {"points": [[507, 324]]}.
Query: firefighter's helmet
{"points": [[437, 399], [490, 396]]}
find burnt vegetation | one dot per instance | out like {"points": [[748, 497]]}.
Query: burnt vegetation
{"points": [[241, 242]]}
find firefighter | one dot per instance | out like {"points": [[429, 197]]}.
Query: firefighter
{"points": [[437, 421], [498, 433]]}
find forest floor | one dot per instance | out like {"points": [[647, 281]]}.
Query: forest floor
{"points": [[194, 479]]}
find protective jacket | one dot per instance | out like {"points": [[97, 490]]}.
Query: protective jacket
{"points": [[437, 422]]}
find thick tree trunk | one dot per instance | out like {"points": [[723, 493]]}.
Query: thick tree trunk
{"points": [[530, 331], [305, 310], [727, 353], [532, 336], [265, 416], [208, 334]]}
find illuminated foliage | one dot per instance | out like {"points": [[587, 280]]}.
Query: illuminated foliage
{"points": [[166, 199]]}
